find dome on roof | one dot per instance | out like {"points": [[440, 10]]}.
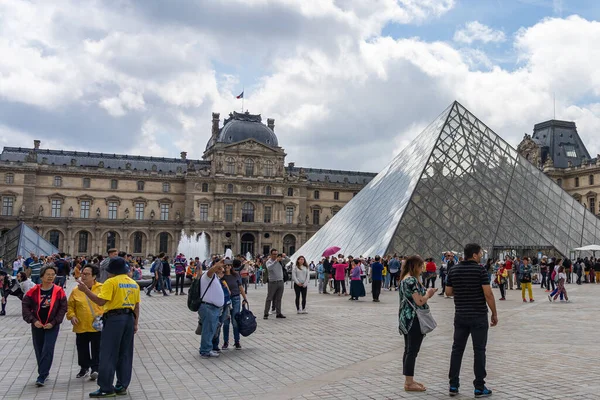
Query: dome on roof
{"points": [[239, 127]]}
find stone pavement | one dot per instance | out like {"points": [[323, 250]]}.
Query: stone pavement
{"points": [[340, 350]]}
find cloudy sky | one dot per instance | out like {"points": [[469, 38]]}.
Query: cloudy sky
{"points": [[349, 82]]}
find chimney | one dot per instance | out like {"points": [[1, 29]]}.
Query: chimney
{"points": [[271, 124], [183, 155], [215, 124], [36, 144]]}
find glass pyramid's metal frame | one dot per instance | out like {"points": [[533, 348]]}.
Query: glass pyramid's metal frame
{"points": [[455, 183]]}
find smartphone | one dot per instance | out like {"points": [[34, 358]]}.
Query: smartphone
{"points": [[228, 262]]}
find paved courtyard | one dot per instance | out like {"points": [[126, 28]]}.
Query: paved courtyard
{"points": [[340, 350]]}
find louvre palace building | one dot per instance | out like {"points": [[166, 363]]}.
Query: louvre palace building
{"points": [[557, 149], [241, 194]]}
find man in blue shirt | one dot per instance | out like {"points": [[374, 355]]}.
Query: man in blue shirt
{"points": [[394, 269], [376, 278]]}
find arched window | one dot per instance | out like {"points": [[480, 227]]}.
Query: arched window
{"points": [[163, 242], [138, 239], [82, 247], [249, 167], [290, 192], [230, 166], [230, 188], [54, 238], [111, 240], [269, 168], [205, 187], [247, 212], [268, 190]]}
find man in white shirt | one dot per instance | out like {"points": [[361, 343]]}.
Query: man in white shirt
{"points": [[213, 298], [17, 265]]}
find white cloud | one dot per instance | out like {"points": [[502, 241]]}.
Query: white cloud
{"points": [[475, 31], [147, 76]]}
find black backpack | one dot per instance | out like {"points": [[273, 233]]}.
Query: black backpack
{"points": [[246, 321], [194, 298]]}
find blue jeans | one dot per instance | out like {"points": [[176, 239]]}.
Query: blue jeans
{"points": [[224, 316], [209, 316], [60, 281], [387, 281], [235, 309], [167, 283]]}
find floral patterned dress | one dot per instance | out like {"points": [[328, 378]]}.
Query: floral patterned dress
{"points": [[406, 314]]}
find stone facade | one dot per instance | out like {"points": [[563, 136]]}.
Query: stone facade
{"points": [[240, 194]]}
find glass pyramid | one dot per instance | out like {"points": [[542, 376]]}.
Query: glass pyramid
{"points": [[457, 182], [23, 240]]}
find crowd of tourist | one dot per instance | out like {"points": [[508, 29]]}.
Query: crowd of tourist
{"points": [[104, 306]]}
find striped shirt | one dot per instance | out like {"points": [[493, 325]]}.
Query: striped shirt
{"points": [[35, 268], [467, 279]]}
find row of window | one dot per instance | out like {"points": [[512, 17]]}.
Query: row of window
{"points": [[230, 167], [83, 241], [166, 186], [248, 214], [336, 195], [590, 181], [9, 178]]}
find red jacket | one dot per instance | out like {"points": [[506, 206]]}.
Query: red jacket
{"points": [[31, 306]]}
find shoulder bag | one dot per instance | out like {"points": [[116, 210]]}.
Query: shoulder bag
{"points": [[97, 324], [426, 320]]}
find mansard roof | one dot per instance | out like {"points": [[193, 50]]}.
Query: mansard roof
{"points": [[560, 141], [103, 160]]}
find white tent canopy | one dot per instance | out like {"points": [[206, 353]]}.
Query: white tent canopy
{"points": [[591, 247]]}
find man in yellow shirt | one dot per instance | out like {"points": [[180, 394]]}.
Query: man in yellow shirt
{"points": [[120, 298]]}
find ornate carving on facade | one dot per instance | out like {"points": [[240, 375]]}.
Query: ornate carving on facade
{"points": [[85, 197], [56, 196], [529, 149], [549, 163], [114, 199], [41, 211], [139, 200]]}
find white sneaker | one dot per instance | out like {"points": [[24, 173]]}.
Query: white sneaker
{"points": [[298, 312], [271, 312], [211, 354], [304, 311]]}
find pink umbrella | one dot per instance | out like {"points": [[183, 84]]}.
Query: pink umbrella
{"points": [[330, 251]]}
